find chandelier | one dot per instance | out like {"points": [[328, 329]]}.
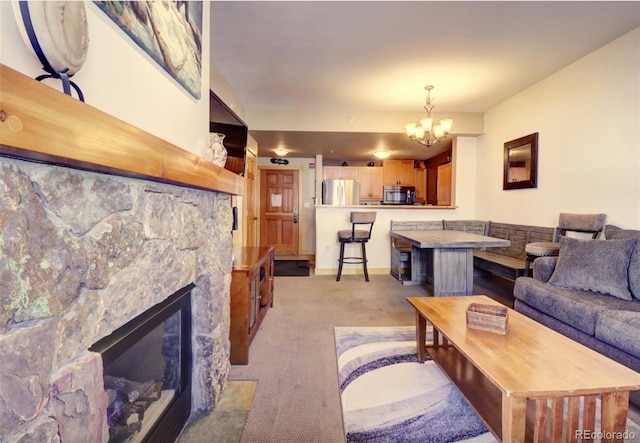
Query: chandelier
{"points": [[425, 132]]}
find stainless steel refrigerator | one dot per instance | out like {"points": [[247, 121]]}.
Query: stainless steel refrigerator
{"points": [[340, 192]]}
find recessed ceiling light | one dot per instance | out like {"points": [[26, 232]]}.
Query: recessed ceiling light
{"points": [[281, 152]]}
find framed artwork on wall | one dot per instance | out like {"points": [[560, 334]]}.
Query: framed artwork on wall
{"points": [[170, 32], [521, 163]]}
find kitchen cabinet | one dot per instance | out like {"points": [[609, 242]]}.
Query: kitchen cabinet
{"points": [[344, 172], [444, 184], [420, 182], [370, 178], [398, 172], [251, 297]]}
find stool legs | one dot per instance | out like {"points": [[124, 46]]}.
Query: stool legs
{"points": [[340, 261], [364, 261]]}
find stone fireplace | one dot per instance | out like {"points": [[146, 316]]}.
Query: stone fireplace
{"points": [[82, 253]]}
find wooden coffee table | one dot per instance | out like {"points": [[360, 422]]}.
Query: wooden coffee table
{"points": [[518, 382]]}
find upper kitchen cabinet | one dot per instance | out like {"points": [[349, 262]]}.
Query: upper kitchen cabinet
{"points": [[398, 172], [343, 172], [370, 182], [420, 182]]}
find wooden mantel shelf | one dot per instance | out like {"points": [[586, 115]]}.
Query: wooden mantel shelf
{"points": [[42, 124]]}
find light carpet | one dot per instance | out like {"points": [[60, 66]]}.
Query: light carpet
{"points": [[387, 396]]}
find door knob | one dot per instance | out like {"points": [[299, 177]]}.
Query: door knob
{"points": [[295, 215]]}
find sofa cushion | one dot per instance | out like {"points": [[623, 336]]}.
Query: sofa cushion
{"points": [[578, 309], [617, 328], [594, 265], [614, 232], [543, 268]]}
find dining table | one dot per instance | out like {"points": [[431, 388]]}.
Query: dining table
{"points": [[444, 258]]}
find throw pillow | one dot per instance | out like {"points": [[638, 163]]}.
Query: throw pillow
{"points": [[616, 233], [594, 265]]}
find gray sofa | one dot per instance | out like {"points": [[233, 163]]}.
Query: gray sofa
{"points": [[590, 293]]}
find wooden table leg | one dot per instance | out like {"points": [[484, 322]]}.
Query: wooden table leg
{"points": [[614, 415], [452, 271], [421, 336], [514, 418]]}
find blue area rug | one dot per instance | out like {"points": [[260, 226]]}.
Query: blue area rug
{"points": [[387, 396]]}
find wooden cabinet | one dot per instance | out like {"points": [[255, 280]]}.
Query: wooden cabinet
{"points": [[370, 178], [398, 172], [444, 184], [251, 297], [345, 172], [420, 182]]}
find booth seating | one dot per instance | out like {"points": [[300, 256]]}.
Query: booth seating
{"points": [[508, 263]]}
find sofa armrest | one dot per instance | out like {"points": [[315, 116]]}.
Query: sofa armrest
{"points": [[543, 267]]}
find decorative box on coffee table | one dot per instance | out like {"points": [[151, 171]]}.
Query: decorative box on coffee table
{"points": [[251, 297]]}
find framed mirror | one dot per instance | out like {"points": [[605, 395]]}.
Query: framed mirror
{"points": [[521, 163]]}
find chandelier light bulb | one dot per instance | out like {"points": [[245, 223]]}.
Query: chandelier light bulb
{"points": [[410, 129], [425, 132], [446, 125]]}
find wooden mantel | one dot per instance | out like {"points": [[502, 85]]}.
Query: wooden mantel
{"points": [[40, 123]]}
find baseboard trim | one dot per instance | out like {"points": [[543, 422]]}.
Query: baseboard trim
{"points": [[351, 271]]}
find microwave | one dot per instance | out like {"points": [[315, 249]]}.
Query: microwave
{"points": [[399, 195]]}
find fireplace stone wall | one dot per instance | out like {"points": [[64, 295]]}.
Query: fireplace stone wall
{"points": [[82, 253]]}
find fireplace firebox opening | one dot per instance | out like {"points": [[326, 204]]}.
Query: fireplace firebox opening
{"points": [[147, 372]]}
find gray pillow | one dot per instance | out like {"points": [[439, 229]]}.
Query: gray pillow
{"points": [[616, 233], [594, 265]]}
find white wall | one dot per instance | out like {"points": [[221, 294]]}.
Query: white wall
{"points": [[588, 119], [122, 80]]}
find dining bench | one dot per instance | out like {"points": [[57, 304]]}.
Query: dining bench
{"points": [[508, 263]]}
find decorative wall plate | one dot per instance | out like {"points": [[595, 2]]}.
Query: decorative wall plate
{"points": [[56, 32]]}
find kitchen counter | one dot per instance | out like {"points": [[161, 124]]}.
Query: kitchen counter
{"points": [[385, 207]]}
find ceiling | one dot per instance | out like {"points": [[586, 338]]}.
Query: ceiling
{"points": [[349, 57]]}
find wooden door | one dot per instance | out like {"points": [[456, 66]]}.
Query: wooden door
{"points": [[251, 187], [279, 224], [444, 184]]}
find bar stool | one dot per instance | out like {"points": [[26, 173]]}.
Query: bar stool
{"points": [[354, 235], [586, 223]]}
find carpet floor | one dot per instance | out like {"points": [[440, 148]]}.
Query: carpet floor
{"points": [[387, 396], [293, 357]]}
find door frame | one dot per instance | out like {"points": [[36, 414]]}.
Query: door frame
{"points": [[281, 168]]}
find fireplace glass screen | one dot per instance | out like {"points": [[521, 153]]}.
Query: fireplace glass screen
{"points": [[147, 373]]}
